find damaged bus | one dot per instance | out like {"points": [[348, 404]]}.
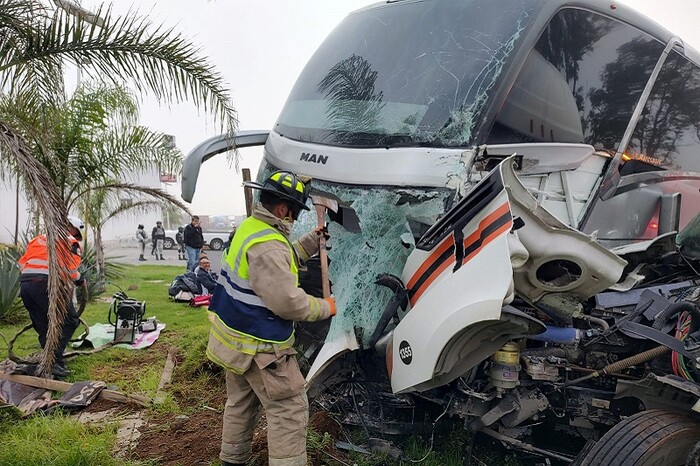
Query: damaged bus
{"points": [[526, 180]]}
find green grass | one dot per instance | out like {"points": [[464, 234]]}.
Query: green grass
{"points": [[57, 440], [60, 440]]}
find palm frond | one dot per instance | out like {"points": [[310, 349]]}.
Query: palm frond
{"points": [[153, 193], [52, 208], [152, 59], [138, 206], [18, 24]]}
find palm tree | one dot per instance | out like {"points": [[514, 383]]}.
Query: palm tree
{"points": [[103, 205], [36, 42]]}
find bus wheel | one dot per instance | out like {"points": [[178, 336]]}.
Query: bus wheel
{"points": [[647, 438]]}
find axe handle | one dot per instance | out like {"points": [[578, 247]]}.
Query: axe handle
{"points": [[322, 253]]}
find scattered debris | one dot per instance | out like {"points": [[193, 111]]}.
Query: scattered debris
{"points": [[166, 377], [128, 434], [48, 384]]}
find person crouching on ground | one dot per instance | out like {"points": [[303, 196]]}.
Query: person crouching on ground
{"points": [[205, 276], [158, 235], [34, 281], [253, 309]]}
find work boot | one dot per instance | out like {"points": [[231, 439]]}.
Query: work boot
{"points": [[141, 258], [161, 257], [60, 371]]}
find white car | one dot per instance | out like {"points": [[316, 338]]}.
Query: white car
{"points": [[212, 239]]}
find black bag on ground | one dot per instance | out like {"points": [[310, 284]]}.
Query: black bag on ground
{"points": [[186, 282]]}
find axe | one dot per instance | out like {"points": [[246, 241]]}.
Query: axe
{"points": [[322, 204]]}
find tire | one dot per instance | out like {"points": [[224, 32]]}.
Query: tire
{"points": [[168, 243], [653, 437], [216, 244]]}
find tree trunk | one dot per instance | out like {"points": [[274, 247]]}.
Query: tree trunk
{"points": [[17, 211], [99, 254]]}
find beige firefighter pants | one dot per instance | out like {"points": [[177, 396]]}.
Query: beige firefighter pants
{"points": [[287, 419]]}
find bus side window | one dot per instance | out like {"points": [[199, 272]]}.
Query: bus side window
{"points": [[667, 134], [580, 84]]}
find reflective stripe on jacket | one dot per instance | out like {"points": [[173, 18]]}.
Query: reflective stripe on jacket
{"points": [[235, 303], [35, 260]]}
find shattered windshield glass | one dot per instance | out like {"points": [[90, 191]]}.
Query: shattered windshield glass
{"points": [[405, 74], [382, 246]]}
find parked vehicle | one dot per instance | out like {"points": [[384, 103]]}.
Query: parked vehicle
{"points": [[169, 241], [527, 180], [212, 239]]}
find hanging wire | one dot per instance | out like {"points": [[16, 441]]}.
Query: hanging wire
{"points": [[677, 360], [432, 435]]}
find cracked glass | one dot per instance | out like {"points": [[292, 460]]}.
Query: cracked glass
{"points": [[406, 74], [389, 221]]}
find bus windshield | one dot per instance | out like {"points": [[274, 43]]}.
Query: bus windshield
{"points": [[405, 74]]}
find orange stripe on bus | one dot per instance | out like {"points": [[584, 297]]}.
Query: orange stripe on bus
{"points": [[444, 246], [475, 236]]}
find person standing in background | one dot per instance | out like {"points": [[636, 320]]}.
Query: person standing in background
{"points": [[158, 235], [142, 238], [194, 241], [227, 244], [180, 240]]}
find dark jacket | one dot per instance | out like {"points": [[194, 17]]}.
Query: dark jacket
{"points": [[194, 237], [185, 282], [207, 279], [158, 233]]}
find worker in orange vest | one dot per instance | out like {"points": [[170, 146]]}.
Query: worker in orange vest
{"points": [[34, 265]]}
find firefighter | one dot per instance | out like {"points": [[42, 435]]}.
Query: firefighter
{"points": [[253, 309], [34, 265]]}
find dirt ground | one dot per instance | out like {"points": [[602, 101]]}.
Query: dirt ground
{"points": [[195, 440]]}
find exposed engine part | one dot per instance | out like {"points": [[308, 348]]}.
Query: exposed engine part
{"points": [[514, 409], [540, 368], [525, 446], [623, 364], [530, 404], [675, 309], [560, 307], [560, 335], [595, 321], [568, 353], [504, 368]]}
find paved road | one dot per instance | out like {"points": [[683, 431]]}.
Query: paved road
{"points": [[130, 255]]}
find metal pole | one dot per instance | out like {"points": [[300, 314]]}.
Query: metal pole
{"points": [[248, 193]]}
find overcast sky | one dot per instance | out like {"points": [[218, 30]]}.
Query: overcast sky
{"points": [[260, 47]]}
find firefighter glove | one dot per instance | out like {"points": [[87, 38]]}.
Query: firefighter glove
{"points": [[331, 302]]}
